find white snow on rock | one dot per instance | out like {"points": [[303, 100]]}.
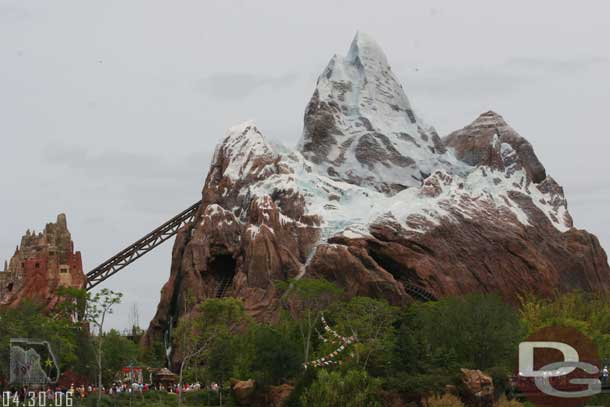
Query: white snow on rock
{"points": [[371, 111], [350, 209], [241, 144], [438, 187]]}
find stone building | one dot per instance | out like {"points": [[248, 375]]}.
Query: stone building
{"points": [[42, 263]]}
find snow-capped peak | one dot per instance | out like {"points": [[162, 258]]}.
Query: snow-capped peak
{"points": [[360, 126], [365, 49], [242, 147], [364, 160]]}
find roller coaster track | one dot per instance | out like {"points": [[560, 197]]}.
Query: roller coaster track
{"points": [[140, 247], [224, 285], [418, 293], [144, 245]]}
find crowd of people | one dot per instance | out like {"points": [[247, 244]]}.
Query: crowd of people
{"points": [[82, 391]]}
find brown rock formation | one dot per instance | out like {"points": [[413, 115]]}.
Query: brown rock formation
{"points": [[243, 391], [239, 244], [479, 388], [475, 212], [279, 394], [42, 263], [480, 143]]}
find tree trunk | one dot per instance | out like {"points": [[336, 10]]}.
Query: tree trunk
{"points": [[180, 382], [99, 368], [99, 359]]}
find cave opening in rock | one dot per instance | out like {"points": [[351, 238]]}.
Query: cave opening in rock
{"points": [[222, 268], [397, 270], [405, 275]]}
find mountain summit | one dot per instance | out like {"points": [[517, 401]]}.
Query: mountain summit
{"points": [[360, 126], [375, 201]]}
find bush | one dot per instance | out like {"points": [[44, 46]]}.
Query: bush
{"points": [[477, 331], [504, 402], [302, 384], [447, 400], [419, 384], [500, 377], [276, 356], [602, 399], [354, 388]]}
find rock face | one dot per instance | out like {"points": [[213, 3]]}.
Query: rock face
{"points": [[479, 388], [374, 200], [42, 263], [279, 394], [243, 391], [242, 240]]}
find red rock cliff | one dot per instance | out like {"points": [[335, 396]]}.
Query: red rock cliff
{"points": [[41, 264]]}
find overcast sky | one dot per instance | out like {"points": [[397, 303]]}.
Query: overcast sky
{"points": [[109, 110]]}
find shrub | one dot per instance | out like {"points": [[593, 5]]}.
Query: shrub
{"points": [[504, 402], [477, 331], [447, 400], [335, 389], [277, 356], [303, 383], [500, 377]]}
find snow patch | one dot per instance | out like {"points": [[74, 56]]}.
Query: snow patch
{"points": [[242, 144]]}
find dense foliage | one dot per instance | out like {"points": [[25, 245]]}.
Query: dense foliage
{"points": [[414, 351], [589, 313], [351, 388]]}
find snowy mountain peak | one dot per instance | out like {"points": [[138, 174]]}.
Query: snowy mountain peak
{"points": [[365, 50], [360, 127], [364, 159], [243, 147]]}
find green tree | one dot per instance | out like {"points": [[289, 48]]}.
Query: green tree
{"points": [[307, 298], [479, 330], [222, 356], [152, 354], [435, 339], [353, 388], [371, 322], [587, 312], [413, 352], [72, 303], [117, 352], [276, 355], [99, 306], [210, 323]]}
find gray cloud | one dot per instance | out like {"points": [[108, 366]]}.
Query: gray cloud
{"points": [[230, 86]]}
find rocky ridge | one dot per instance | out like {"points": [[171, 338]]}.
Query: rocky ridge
{"points": [[41, 264]]}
